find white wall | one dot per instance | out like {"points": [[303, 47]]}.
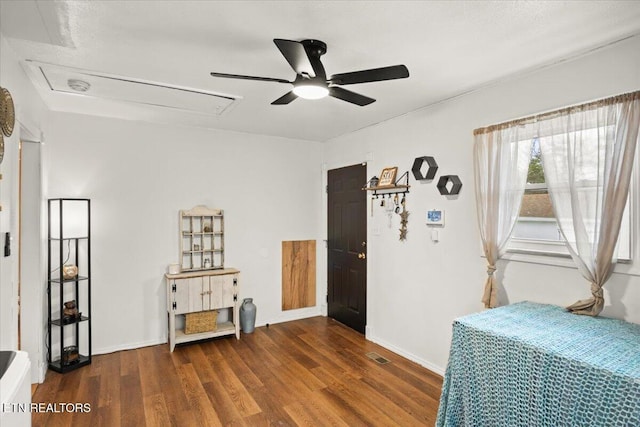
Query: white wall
{"points": [[138, 176], [416, 288]]}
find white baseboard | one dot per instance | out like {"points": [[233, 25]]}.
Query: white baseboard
{"points": [[42, 372], [289, 315], [129, 346], [425, 363]]}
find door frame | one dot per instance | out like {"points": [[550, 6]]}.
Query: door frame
{"points": [[325, 178], [32, 269]]}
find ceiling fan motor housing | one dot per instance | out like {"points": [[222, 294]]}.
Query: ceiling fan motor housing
{"points": [[314, 48]]}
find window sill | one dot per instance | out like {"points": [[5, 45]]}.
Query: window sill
{"points": [[561, 260]]}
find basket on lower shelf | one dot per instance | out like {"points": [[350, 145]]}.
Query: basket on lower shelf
{"points": [[202, 321]]}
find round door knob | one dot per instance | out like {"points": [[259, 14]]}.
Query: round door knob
{"points": [[362, 255]]}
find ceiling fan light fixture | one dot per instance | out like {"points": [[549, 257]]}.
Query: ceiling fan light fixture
{"points": [[310, 91]]}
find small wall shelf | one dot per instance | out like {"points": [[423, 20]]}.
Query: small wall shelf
{"points": [[432, 168], [449, 185], [201, 239], [392, 189]]}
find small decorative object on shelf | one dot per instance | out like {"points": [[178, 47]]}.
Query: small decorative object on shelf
{"points": [[69, 272], [69, 276], [70, 355], [70, 313], [432, 168], [449, 185], [201, 239], [388, 177], [202, 321]]}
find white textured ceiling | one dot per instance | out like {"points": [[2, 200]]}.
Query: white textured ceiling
{"points": [[449, 47]]}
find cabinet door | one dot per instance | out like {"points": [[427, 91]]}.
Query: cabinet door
{"points": [[222, 291], [189, 295]]}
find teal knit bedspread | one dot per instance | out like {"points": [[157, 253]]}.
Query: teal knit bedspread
{"points": [[530, 364]]}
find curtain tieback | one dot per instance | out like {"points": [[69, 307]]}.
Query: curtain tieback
{"points": [[491, 269], [592, 306], [596, 290]]}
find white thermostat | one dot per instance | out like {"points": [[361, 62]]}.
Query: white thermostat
{"points": [[435, 217]]}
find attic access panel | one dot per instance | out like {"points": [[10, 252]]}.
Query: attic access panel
{"points": [[119, 88]]}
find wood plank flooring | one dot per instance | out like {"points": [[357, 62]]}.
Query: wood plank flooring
{"points": [[311, 372]]}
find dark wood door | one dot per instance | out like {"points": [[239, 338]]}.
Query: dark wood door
{"points": [[347, 246]]}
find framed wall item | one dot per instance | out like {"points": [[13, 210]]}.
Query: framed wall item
{"points": [[388, 177], [435, 217]]}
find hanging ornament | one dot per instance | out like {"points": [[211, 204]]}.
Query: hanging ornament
{"points": [[7, 112], [404, 219]]}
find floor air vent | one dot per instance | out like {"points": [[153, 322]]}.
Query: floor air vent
{"points": [[376, 357]]}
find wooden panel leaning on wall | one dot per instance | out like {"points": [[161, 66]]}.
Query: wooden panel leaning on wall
{"points": [[298, 274]]}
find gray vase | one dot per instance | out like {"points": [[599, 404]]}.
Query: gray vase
{"points": [[247, 316]]}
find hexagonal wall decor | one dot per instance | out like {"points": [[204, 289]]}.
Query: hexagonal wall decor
{"points": [[449, 185], [432, 167]]}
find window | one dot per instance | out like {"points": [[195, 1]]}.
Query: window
{"points": [[537, 231]]}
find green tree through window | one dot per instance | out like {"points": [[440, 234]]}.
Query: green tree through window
{"points": [[536, 173]]}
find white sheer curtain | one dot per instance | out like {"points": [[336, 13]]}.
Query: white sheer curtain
{"points": [[587, 155], [501, 160]]}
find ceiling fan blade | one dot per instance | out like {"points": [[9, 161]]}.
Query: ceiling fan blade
{"points": [[296, 56], [285, 99], [352, 97], [239, 76], [372, 75]]}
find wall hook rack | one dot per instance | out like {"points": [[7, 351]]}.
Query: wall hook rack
{"points": [[400, 186]]}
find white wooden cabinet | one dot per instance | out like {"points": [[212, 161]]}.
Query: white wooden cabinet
{"points": [[201, 291]]}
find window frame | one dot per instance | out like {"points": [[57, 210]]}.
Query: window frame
{"points": [[541, 251]]}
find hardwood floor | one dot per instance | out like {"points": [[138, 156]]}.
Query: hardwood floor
{"points": [[310, 372]]}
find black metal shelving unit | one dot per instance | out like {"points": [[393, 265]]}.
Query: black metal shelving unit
{"points": [[76, 250]]}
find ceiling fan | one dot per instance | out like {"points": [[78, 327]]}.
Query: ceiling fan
{"points": [[311, 80]]}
